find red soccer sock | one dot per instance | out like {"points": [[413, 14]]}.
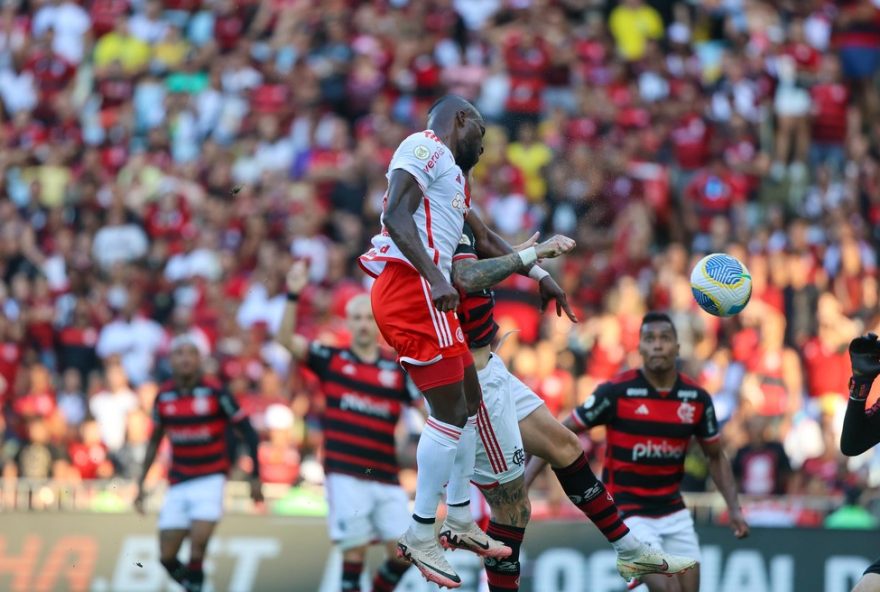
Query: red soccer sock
{"points": [[389, 575], [591, 497], [503, 574], [351, 576]]}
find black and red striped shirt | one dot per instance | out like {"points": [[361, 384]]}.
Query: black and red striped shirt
{"points": [[196, 422], [475, 310], [364, 402], [648, 433]]}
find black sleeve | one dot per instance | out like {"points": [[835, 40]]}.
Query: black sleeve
{"points": [[861, 426], [318, 358], [599, 408], [230, 406], [707, 428], [467, 246]]}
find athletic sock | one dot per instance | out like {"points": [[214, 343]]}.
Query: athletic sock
{"points": [[195, 578], [591, 497], [503, 574], [175, 569], [435, 457], [458, 491], [351, 576], [389, 575]]}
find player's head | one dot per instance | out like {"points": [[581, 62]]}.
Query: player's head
{"points": [[186, 359], [461, 125], [361, 324], [658, 342]]}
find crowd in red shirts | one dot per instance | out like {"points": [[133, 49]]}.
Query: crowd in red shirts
{"points": [[164, 162]]}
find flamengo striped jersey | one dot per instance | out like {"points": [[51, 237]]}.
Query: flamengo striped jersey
{"points": [[195, 422], [363, 404], [648, 433], [440, 216], [475, 309]]}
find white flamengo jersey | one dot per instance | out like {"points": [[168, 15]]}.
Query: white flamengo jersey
{"points": [[440, 216]]}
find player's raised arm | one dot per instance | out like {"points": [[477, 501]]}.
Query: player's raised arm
{"points": [[861, 427], [297, 345], [404, 198]]}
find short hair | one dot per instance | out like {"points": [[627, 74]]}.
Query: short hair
{"points": [[357, 300], [658, 317]]}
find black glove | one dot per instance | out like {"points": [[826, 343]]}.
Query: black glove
{"points": [[864, 355]]}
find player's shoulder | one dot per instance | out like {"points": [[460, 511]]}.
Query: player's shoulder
{"points": [[322, 350], [625, 379], [212, 382], [689, 386], [421, 146]]}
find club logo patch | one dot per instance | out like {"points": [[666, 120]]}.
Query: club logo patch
{"points": [[421, 152], [686, 412]]}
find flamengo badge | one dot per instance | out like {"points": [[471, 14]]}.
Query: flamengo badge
{"points": [[686, 413]]}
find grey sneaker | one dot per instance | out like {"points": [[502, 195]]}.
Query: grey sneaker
{"points": [[428, 557]]}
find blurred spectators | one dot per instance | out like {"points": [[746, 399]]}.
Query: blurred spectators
{"points": [[164, 163]]}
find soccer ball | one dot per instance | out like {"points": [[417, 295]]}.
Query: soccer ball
{"points": [[721, 285]]}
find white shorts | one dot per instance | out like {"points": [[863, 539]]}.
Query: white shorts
{"points": [[196, 499], [364, 512], [506, 402], [673, 533]]}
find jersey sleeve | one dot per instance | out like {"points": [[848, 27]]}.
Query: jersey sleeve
{"points": [[419, 155], [598, 409], [318, 358], [467, 248], [230, 406], [707, 428]]}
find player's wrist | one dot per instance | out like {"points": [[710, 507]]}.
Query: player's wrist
{"points": [[528, 256], [537, 273]]}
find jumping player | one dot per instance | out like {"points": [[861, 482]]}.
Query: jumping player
{"points": [[861, 426], [194, 411], [651, 414], [414, 304], [514, 420], [365, 393]]}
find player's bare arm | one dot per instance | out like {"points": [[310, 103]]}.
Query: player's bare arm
{"points": [[471, 275], [297, 345], [149, 458], [861, 426], [722, 475], [536, 464], [247, 433], [404, 198]]}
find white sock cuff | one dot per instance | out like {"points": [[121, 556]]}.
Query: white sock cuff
{"points": [[441, 431]]}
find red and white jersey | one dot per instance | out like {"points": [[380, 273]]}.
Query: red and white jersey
{"points": [[440, 216]]}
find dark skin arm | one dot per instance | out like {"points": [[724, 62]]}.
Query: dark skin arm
{"points": [[404, 198], [722, 475], [149, 458], [249, 436]]}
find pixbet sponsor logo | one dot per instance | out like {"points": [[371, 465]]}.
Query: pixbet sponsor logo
{"points": [[661, 449], [352, 402]]}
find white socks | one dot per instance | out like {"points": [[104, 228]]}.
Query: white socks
{"points": [[458, 491], [628, 543], [436, 455]]}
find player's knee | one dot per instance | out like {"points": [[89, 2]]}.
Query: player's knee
{"points": [[869, 583], [513, 510], [567, 449]]}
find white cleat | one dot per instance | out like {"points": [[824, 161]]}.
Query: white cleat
{"points": [[472, 539], [428, 557], [648, 560]]}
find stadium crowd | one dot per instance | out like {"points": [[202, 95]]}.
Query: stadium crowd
{"points": [[165, 160]]}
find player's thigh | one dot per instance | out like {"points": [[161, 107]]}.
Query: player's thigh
{"points": [[390, 517], [170, 541], [661, 583], [204, 498], [173, 515], [500, 456], [870, 582], [544, 437], [679, 536], [473, 393], [509, 503], [350, 506]]}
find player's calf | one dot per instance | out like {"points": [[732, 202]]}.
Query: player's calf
{"points": [[511, 511]]}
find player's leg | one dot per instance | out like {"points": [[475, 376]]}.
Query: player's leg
{"points": [[511, 511], [352, 566], [170, 541], [199, 536], [661, 583], [680, 537], [389, 518], [459, 487], [870, 582], [173, 528]]}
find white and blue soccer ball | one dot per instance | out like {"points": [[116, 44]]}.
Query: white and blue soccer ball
{"points": [[721, 285]]}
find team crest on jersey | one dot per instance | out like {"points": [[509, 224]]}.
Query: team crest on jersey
{"points": [[387, 378], [686, 412], [421, 152], [201, 406], [459, 335]]}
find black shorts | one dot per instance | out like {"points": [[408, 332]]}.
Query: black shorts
{"points": [[874, 568]]}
